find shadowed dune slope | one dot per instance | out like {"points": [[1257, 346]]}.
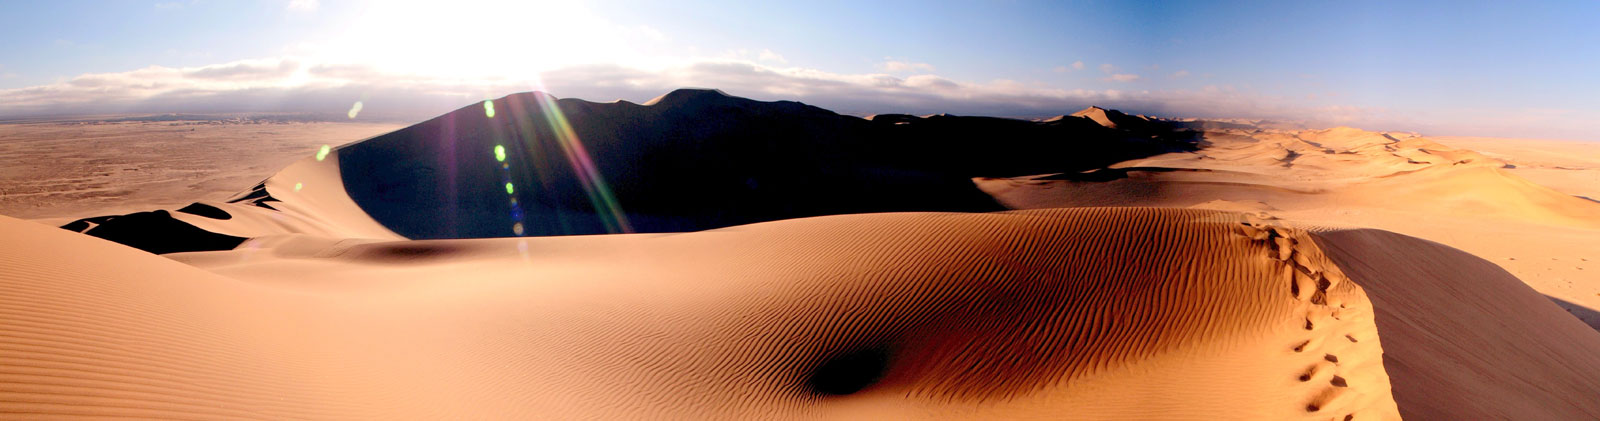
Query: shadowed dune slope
{"points": [[1463, 339], [697, 159], [1078, 313]]}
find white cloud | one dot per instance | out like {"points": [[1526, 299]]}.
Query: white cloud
{"points": [[1180, 74], [1077, 65], [299, 84], [1122, 77], [1108, 68], [768, 55], [304, 5], [896, 66]]}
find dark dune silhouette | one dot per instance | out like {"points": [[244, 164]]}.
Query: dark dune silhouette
{"points": [[699, 159], [155, 232]]}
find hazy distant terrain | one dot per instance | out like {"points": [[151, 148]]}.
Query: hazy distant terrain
{"points": [[82, 167]]}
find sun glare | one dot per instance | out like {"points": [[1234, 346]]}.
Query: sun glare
{"points": [[480, 40]]}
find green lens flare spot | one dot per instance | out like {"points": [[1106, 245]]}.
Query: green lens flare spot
{"points": [[488, 108], [297, 186], [510, 189], [500, 153], [323, 153]]}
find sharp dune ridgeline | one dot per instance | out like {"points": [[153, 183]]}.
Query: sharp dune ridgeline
{"points": [[704, 256]]}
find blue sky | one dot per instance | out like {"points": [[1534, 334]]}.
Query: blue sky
{"points": [[1460, 68]]}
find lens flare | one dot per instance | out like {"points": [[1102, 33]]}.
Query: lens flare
{"points": [[297, 186], [323, 153], [488, 108], [355, 109], [510, 189], [605, 203], [500, 153]]}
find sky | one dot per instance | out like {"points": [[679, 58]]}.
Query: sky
{"points": [[1443, 68]]}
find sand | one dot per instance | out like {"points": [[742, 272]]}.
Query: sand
{"points": [[1150, 274], [1475, 201], [1020, 318]]}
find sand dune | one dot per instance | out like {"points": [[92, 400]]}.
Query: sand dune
{"points": [[1401, 182], [1021, 316], [789, 268]]}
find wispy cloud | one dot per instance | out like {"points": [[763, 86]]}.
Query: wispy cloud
{"points": [[1076, 65], [304, 5], [1180, 74], [769, 56], [299, 84], [897, 66], [1121, 77], [764, 56]]}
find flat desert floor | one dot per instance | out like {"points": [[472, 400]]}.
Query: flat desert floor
{"points": [[82, 169]]}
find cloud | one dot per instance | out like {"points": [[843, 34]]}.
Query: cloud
{"points": [[291, 84], [298, 84], [1180, 74], [895, 66], [248, 69], [768, 55], [1108, 68], [1121, 77], [765, 56], [1076, 65], [304, 5]]}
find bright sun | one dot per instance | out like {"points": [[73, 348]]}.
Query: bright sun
{"points": [[504, 40]]}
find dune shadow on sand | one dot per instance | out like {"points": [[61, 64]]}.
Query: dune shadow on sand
{"points": [[1588, 315]]}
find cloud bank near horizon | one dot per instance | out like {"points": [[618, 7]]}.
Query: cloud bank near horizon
{"points": [[290, 84]]}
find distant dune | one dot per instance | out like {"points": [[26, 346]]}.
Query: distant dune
{"points": [[773, 260]]}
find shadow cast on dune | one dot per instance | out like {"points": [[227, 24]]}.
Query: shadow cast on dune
{"points": [[1463, 338], [530, 164], [157, 231], [1588, 315]]}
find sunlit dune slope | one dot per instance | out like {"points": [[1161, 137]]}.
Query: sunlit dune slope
{"points": [[1399, 182], [1075, 313]]}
